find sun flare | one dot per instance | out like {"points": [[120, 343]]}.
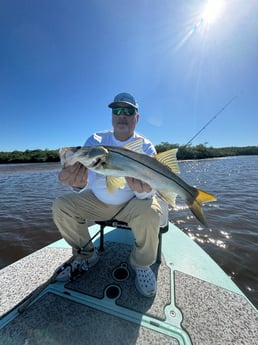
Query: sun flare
{"points": [[212, 11]]}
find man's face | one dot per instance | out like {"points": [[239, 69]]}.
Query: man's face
{"points": [[124, 125]]}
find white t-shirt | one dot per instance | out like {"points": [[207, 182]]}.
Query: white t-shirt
{"points": [[97, 182]]}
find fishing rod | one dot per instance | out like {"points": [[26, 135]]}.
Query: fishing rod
{"points": [[210, 121]]}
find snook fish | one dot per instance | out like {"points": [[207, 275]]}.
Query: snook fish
{"points": [[129, 161]]}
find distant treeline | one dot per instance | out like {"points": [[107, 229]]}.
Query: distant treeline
{"points": [[29, 156], [200, 151]]}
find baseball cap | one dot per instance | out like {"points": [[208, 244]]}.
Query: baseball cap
{"points": [[124, 98]]}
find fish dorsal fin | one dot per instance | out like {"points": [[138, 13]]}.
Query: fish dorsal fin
{"points": [[169, 159], [114, 182], [135, 145]]}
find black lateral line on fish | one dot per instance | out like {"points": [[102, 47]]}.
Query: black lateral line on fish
{"points": [[147, 166]]}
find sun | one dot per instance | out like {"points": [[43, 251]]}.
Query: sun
{"points": [[212, 10]]}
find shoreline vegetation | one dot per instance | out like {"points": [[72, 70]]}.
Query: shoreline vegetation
{"points": [[200, 151]]}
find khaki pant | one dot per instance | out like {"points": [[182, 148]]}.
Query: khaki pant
{"points": [[71, 212]]}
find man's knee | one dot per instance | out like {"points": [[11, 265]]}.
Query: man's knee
{"points": [[59, 204], [149, 218]]}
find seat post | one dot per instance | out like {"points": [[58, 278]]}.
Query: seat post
{"points": [[101, 245], [162, 230], [159, 248]]}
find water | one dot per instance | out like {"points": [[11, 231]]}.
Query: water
{"points": [[231, 239]]}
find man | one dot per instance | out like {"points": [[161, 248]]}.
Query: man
{"points": [[136, 204]]}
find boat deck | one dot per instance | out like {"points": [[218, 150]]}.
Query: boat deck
{"points": [[196, 302]]}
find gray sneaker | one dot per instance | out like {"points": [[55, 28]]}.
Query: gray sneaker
{"points": [[79, 264], [145, 281]]}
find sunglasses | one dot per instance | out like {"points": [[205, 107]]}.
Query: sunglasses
{"points": [[126, 111]]}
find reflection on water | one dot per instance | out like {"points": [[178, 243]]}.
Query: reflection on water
{"points": [[28, 190], [231, 238]]}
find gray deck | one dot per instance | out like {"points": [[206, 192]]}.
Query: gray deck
{"points": [[54, 320], [22, 277], [95, 282], [210, 315], [215, 316]]}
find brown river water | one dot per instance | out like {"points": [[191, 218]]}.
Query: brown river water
{"points": [[231, 238]]}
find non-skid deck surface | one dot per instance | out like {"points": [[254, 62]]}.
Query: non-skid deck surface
{"points": [[18, 280], [96, 281], [213, 315], [53, 320]]}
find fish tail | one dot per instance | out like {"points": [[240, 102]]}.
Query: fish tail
{"points": [[196, 205], [203, 197], [196, 209]]}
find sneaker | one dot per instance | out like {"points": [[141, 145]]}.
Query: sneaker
{"points": [[145, 281], [78, 265]]}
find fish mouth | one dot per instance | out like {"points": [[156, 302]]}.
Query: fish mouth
{"points": [[97, 162]]}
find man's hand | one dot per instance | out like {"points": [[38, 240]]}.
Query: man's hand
{"points": [[137, 185], [74, 175]]}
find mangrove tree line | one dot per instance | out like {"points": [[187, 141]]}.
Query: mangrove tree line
{"points": [[200, 151]]}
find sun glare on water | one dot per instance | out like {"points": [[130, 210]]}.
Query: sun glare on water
{"points": [[212, 11]]}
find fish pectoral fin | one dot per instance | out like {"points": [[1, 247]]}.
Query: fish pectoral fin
{"points": [[114, 182], [112, 167], [135, 145], [170, 198], [169, 159]]}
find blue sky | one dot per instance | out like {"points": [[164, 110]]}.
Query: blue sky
{"points": [[62, 62]]}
